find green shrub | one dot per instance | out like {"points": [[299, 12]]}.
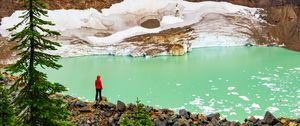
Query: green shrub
{"points": [[139, 117]]}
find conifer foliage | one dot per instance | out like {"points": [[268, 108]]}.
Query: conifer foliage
{"points": [[139, 117], [6, 109], [33, 102]]}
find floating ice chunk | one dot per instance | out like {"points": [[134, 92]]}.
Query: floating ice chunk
{"points": [[178, 84], [279, 67], [219, 102], [269, 85], [197, 101], [272, 109], [297, 68], [231, 88], [232, 113], [244, 98], [258, 117], [275, 75], [232, 93], [256, 106], [208, 110], [226, 110], [210, 81], [265, 78], [248, 110]]}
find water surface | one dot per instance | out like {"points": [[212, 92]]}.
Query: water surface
{"points": [[236, 81]]}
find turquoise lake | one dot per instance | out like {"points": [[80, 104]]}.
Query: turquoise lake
{"points": [[236, 81]]}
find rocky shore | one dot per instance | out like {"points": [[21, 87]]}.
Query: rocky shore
{"points": [[109, 114]]}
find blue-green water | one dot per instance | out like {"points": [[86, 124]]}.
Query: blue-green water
{"points": [[237, 82]]}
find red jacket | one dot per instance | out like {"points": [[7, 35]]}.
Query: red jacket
{"points": [[98, 83]]}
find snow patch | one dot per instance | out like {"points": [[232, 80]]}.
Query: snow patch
{"points": [[167, 20]]}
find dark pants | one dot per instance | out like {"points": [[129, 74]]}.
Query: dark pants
{"points": [[98, 91]]}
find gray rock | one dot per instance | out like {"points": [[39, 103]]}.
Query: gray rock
{"points": [[298, 120], [158, 122], [204, 122], [149, 109], [225, 124], [88, 121], [171, 119], [106, 113], [176, 124], [76, 113], [117, 116], [194, 117], [110, 105], [85, 109], [121, 106], [184, 113], [80, 104], [13, 94], [183, 122], [270, 119], [167, 111], [278, 124], [71, 105], [235, 123], [214, 115], [111, 122], [215, 122]]}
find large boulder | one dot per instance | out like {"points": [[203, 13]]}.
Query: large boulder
{"points": [[213, 115], [184, 113], [270, 119], [121, 106], [80, 104]]}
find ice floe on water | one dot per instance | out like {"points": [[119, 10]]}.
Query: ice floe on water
{"points": [[245, 98], [178, 84], [272, 109], [231, 88], [297, 68], [256, 106], [233, 93]]}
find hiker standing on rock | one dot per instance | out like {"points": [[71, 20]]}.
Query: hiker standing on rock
{"points": [[98, 86]]}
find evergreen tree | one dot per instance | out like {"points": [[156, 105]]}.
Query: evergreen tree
{"points": [[139, 117], [33, 102], [6, 110]]}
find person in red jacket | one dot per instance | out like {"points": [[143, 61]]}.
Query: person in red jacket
{"points": [[98, 86]]}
